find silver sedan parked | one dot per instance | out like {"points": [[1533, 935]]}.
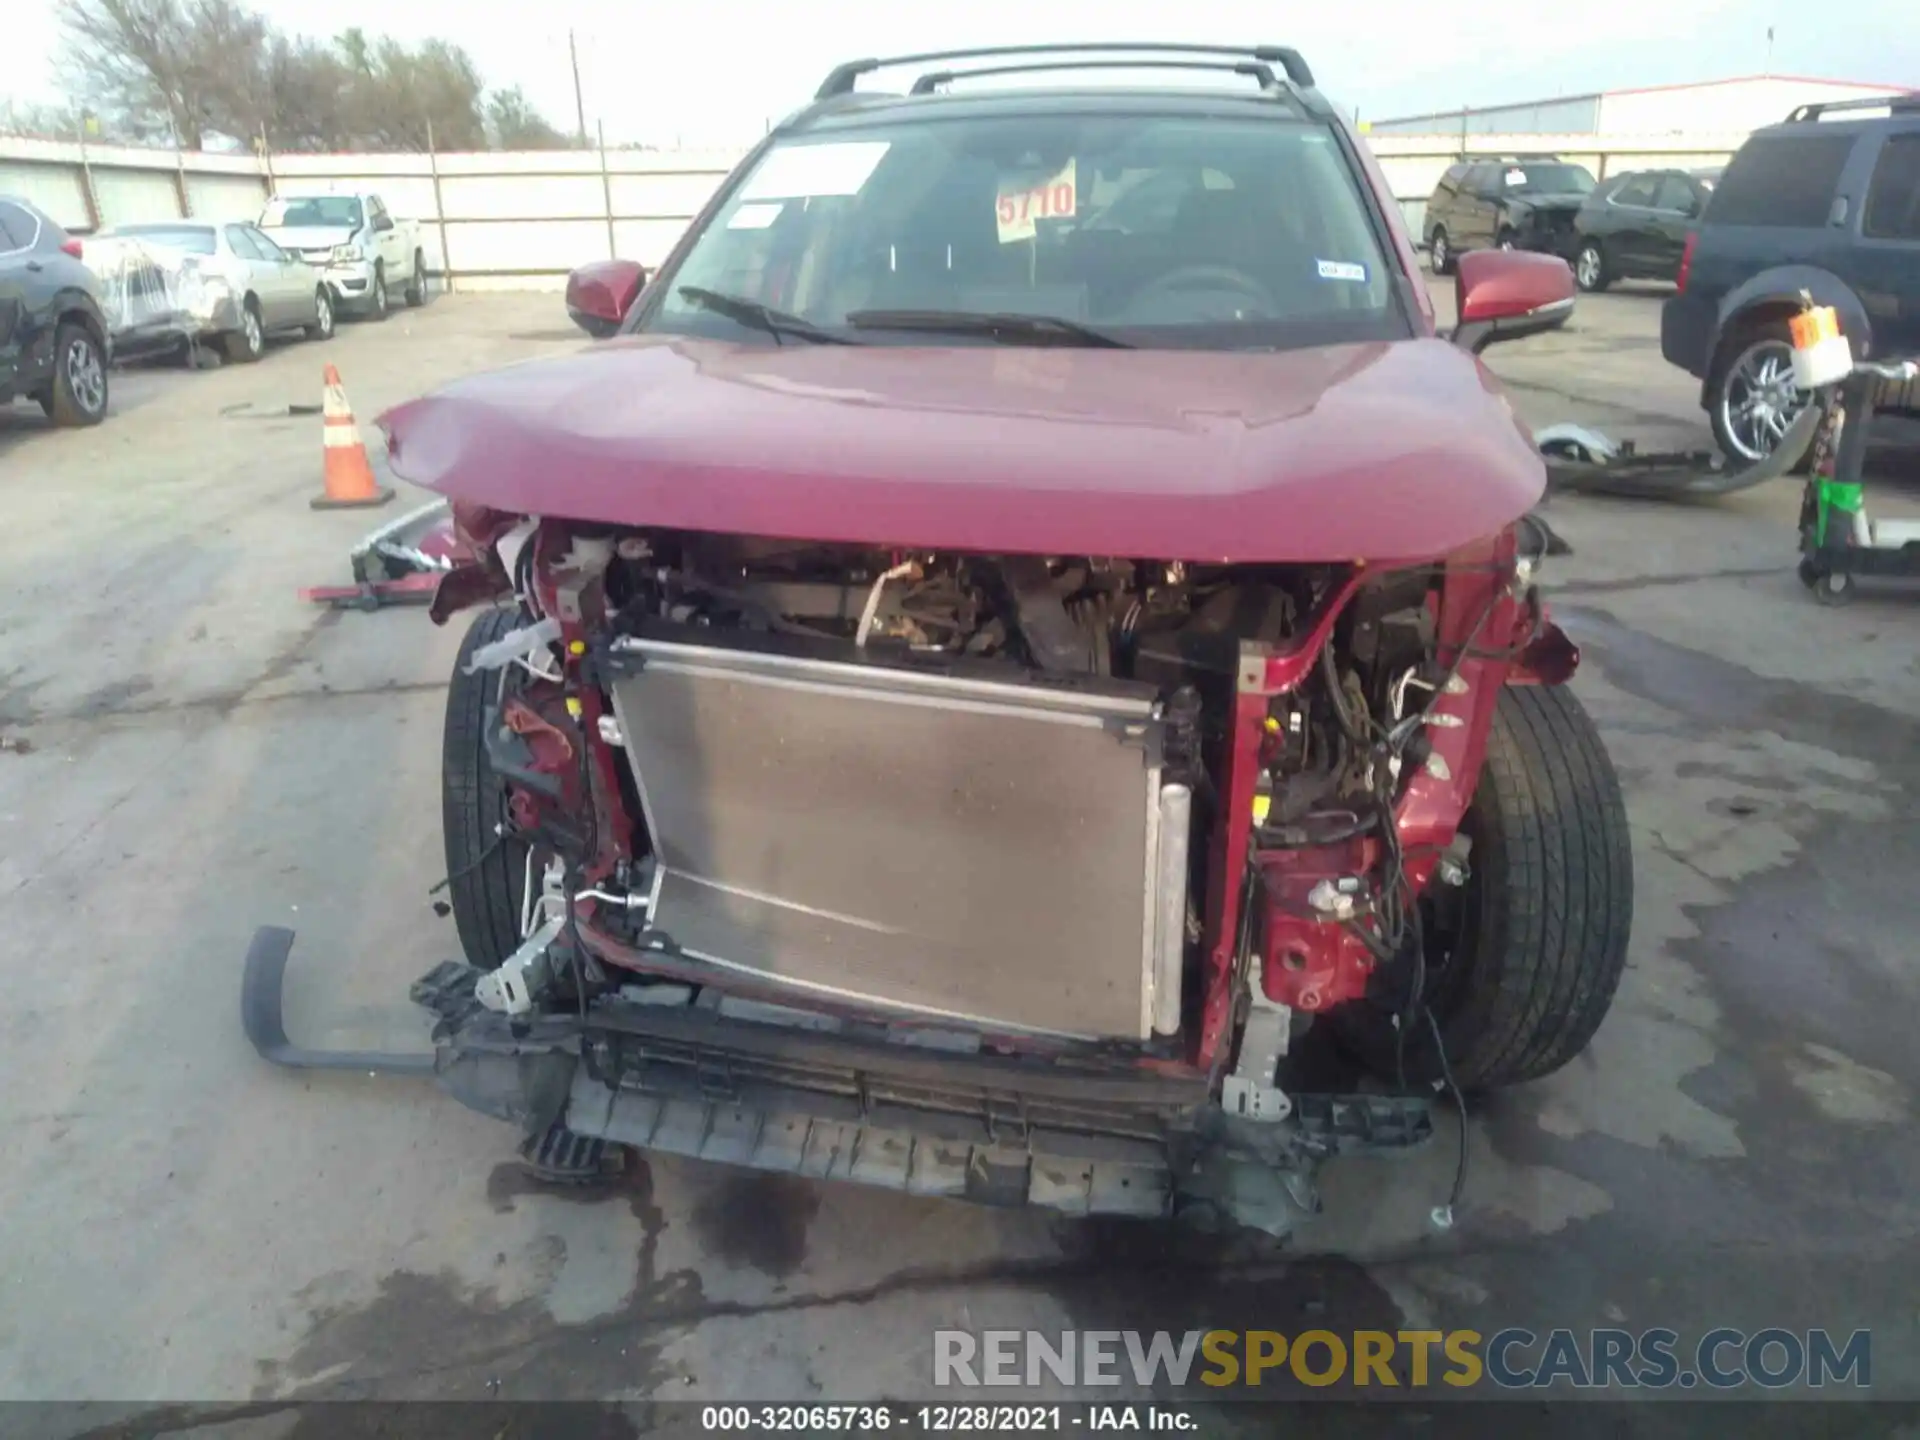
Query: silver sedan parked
{"points": [[227, 284]]}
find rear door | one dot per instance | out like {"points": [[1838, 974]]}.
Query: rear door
{"points": [[17, 230], [1446, 196], [1479, 202], [1676, 207], [1887, 266]]}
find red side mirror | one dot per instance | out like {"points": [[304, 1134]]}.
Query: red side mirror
{"points": [[600, 294], [1507, 294]]}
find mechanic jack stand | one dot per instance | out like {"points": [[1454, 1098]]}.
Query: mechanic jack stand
{"points": [[348, 477]]}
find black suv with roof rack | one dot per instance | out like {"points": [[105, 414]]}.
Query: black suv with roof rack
{"points": [[1506, 202], [1826, 202]]}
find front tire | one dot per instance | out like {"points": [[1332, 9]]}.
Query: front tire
{"points": [[323, 321], [243, 346], [1590, 267], [379, 303], [488, 870], [1440, 250], [416, 291], [1523, 960]]}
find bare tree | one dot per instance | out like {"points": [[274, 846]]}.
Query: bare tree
{"points": [[132, 60], [189, 71], [513, 124]]}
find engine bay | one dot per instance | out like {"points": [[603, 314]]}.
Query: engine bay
{"points": [[729, 754]]}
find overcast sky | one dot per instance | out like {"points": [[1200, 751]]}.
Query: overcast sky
{"points": [[714, 71]]}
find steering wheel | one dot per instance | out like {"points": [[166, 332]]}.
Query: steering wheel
{"points": [[1206, 277]]}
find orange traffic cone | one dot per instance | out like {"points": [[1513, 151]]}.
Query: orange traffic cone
{"points": [[349, 474]]}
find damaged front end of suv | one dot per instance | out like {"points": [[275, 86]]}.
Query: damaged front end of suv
{"points": [[970, 753]]}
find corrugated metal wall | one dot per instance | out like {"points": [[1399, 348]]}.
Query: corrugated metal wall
{"points": [[1574, 115]]}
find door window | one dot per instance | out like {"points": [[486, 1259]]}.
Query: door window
{"points": [[1893, 199], [1782, 180], [1675, 195], [17, 227], [265, 247], [242, 243], [1638, 191]]}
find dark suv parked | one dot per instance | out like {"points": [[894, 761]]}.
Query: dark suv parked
{"points": [[53, 338], [1523, 202], [1827, 202], [1635, 226]]}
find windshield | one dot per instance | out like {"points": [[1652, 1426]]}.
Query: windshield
{"points": [[327, 210], [193, 239], [1162, 230], [1553, 179]]}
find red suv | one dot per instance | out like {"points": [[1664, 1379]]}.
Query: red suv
{"points": [[1027, 627]]}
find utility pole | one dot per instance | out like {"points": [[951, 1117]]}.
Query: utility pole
{"points": [[579, 100]]}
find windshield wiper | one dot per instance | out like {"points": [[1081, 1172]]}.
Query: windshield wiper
{"points": [[761, 317], [1003, 329]]}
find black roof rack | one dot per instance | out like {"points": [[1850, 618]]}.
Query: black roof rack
{"points": [[1903, 103], [841, 80], [1259, 71]]}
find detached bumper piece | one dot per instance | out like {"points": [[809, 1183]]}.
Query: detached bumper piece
{"points": [[401, 563], [1080, 1137]]}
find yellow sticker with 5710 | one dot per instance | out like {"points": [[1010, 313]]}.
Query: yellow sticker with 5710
{"points": [[1055, 198]]}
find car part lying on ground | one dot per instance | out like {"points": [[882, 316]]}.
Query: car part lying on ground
{"points": [[1029, 712], [1584, 460], [401, 563]]}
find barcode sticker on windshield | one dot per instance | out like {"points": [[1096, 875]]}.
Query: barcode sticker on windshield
{"points": [[1055, 198], [801, 172], [1342, 270]]}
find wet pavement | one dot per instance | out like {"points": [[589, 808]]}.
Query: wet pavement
{"points": [[184, 1226]]}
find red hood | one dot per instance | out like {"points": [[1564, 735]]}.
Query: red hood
{"points": [[1397, 451]]}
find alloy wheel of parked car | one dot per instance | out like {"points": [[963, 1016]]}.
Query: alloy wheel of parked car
{"points": [[416, 291], [1754, 398], [1441, 254], [1590, 267], [77, 394], [1505, 241], [322, 327], [379, 310], [244, 345]]}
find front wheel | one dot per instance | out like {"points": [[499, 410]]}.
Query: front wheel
{"points": [[322, 327], [1590, 267], [379, 302], [244, 345], [1505, 240], [1440, 249], [1523, 959], [416, 291], [487, 870]]}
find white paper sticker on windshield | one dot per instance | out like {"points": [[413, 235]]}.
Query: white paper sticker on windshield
{"points": [[1516, 177], [754, 217], [1055, 198], [1342, 270], [795, 172]]}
